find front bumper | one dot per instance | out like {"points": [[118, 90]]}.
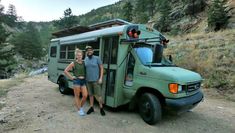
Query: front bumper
{"points": [[184, 104]]}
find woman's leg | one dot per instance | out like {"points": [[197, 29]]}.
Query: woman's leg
{"points": [[76, 90], [84, 94]]}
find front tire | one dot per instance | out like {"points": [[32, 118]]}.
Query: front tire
{"points": [[63, 86], [150, 108]]}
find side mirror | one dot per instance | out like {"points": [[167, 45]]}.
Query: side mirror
{"points": [[158, 53], [170, 58]]}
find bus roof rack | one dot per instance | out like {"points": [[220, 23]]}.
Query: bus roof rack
{"points": [[109, 23], [82, 29], [71, 31]]}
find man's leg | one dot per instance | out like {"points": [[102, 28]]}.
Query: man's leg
{"points": [[91, 97], [91, 101], [98, 93]]}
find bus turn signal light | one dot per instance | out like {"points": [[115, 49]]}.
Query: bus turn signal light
{"points": [[173, 88]]}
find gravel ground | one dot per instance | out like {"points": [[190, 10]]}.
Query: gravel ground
{"points": [[36, 105]]}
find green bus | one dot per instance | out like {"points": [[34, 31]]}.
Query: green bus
{"points": [[136, 73]]}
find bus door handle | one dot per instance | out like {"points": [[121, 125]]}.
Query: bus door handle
{"points": [[143, 73]]}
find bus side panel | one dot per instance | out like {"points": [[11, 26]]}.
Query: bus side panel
{"points": [[52, 61]]}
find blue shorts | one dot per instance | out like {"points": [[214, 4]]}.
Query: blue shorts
{"points": [[80, 82]]}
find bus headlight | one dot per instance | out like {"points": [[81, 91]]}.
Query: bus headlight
{"points": [[175, 88]]}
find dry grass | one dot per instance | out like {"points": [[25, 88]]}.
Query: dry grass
{"points": [[210, 54], [6, 84]]}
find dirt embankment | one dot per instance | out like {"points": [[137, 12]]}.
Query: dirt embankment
{"points": [[37, 106]]}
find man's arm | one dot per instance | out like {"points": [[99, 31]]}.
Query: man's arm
{"points": [[101, 73]]}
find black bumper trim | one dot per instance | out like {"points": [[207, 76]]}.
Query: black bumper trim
{"points": [[184, 104]]}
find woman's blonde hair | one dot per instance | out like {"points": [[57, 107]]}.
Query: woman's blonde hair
{"points": [[77, 50]]}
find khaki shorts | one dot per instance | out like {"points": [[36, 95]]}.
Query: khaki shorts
{"points": [[94, 89]]}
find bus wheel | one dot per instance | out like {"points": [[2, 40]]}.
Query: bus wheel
{"points": [[150, 108], [63, 86]]}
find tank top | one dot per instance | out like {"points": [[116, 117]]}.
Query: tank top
{"points": [[79, 69]]}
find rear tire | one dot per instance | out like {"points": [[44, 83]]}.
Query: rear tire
{"points": [[150, 108], [63, 86]]}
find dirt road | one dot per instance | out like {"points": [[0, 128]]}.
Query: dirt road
{"points": [[37, 106]]}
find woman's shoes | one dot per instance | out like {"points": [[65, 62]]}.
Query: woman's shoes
{"points": [[81, 112]]}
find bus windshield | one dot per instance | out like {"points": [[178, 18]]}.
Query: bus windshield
{"points": [[152, 55]]}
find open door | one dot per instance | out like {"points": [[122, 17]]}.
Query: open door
{"points": [[110, 53], [129, 74]]}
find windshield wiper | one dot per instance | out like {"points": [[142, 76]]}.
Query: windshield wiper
{"points": [[163, 65]]}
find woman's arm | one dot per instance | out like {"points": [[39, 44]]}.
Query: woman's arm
{"points": [[67, 69]]}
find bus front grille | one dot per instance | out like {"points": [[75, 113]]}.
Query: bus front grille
{"points": [[192, 87]]}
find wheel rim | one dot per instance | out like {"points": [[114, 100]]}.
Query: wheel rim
{"points": [[146, 109], [149, 108], [62, 86]]}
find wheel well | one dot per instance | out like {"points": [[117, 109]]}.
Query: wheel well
{"points": [[59, 78], [155, 92]]}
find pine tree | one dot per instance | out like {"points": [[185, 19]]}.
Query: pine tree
{"points": [[68, 20], [1, 10], [151, 7], [68, 12], [163, 24], [11, 16], [11, 10], [45, 35], [128, 11], [217, 15], [7, 61], [140, 12], [193, 6], [28, 43]]}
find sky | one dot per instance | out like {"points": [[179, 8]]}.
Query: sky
{"points": [[47, 10]]}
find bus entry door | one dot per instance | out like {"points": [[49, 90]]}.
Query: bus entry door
{"points": [[110, 50]]}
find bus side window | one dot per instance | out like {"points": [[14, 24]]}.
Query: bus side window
{"points": [[70, 53], [53, 51], [110, 43], [62, 52], [130, 71], [114, 50]]}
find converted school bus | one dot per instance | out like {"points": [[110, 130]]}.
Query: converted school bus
{"points": [[135, 69]]}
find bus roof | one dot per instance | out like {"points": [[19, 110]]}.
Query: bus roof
{"points": [[90, 36]]}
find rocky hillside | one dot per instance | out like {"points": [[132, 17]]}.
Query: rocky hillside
{"points": [[210, 54], [184, 17]]}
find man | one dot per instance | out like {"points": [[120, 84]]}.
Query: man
{"points": [[94, 76]]}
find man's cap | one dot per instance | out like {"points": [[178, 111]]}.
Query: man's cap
{"points": [[88, 47]]}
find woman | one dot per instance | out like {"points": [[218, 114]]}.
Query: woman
{"points": [[79, 82]]}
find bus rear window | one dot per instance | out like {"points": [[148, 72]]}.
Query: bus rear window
{"points": [[53, 51]]}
